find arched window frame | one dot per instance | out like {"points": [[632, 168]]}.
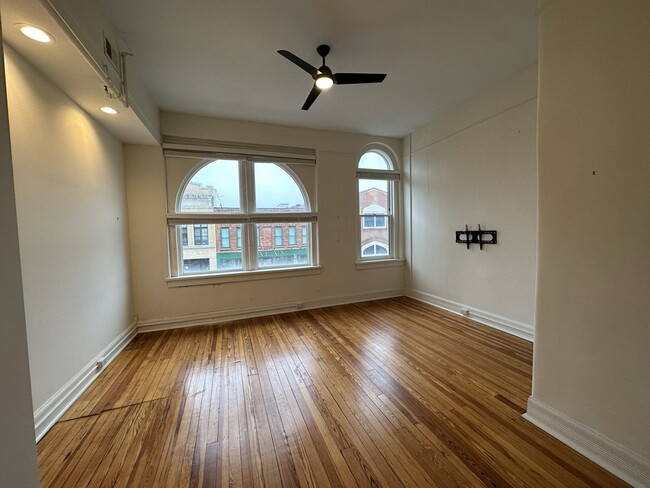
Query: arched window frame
{"points": [[247, 219], [392, 176], [375, 244]]}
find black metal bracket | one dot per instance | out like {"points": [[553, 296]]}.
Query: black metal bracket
{"points": [[479, 236]]}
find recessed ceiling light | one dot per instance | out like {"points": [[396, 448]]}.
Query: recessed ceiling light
{"points": [[34, 33], [109, 110]]}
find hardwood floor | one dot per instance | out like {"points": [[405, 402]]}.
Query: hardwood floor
{"points": [[387, 393]]}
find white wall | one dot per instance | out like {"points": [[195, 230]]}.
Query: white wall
{"points": [[592, 349], [17, 450], [72, 224], [339, 279], [477, 165]]}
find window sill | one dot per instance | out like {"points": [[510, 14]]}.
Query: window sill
{"points": [[260, 274], [379, 263]]}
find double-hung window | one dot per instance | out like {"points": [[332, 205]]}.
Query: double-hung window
{"points": [[377, 185], [201, 237], [225, 237], [277, 230], [244, 211]]}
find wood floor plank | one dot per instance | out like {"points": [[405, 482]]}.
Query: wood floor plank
{"points": [[385, 393]]}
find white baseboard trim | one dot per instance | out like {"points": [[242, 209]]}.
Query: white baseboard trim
{"points": [[513, 327], [52, 410], [618, 460], [218, 316]]}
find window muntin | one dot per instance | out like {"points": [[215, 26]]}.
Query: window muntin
{"points": [[376, 186], [231, 240]]}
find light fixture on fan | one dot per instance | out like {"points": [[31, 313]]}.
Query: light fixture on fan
{"points": [[323, 76], [324, 82]]}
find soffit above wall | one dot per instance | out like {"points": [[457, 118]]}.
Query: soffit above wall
{"points": [[66, 67]]}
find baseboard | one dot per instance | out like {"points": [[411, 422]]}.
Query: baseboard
{"points": [[513, 327], [618, 460], [52, 410], [218, 316]]}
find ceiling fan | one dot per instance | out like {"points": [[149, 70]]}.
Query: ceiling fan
{"points": [[323, 76]]}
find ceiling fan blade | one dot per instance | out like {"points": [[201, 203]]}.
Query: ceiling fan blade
{"points": [[299, 62], [315, 91], [357, 78]]}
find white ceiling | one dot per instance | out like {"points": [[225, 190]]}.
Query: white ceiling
{"points": [[218, 57]]}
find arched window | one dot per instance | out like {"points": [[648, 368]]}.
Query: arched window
{"points": [[377, 179], [239, 215], [374, 249]]}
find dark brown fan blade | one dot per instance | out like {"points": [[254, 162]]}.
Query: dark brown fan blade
{"points": [[311, 97], [356, 78], [299, 62]]}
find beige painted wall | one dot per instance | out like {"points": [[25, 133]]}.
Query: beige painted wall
{"points": [[339, 279], [17, 449], [72, 224], [477, 165], [592, 359]]}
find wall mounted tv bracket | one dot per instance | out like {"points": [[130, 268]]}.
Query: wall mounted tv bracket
{"points": [[479, 236]]}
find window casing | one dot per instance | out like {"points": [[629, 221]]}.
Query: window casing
{"points": [[253, 203], [377, 197]]}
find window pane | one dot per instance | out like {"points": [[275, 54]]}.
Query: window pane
{"points": [[213, 189], [276, 190], [373, 196], [292, 235], [375, 241], [373, 160], [202, 254], [270, 254]]}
